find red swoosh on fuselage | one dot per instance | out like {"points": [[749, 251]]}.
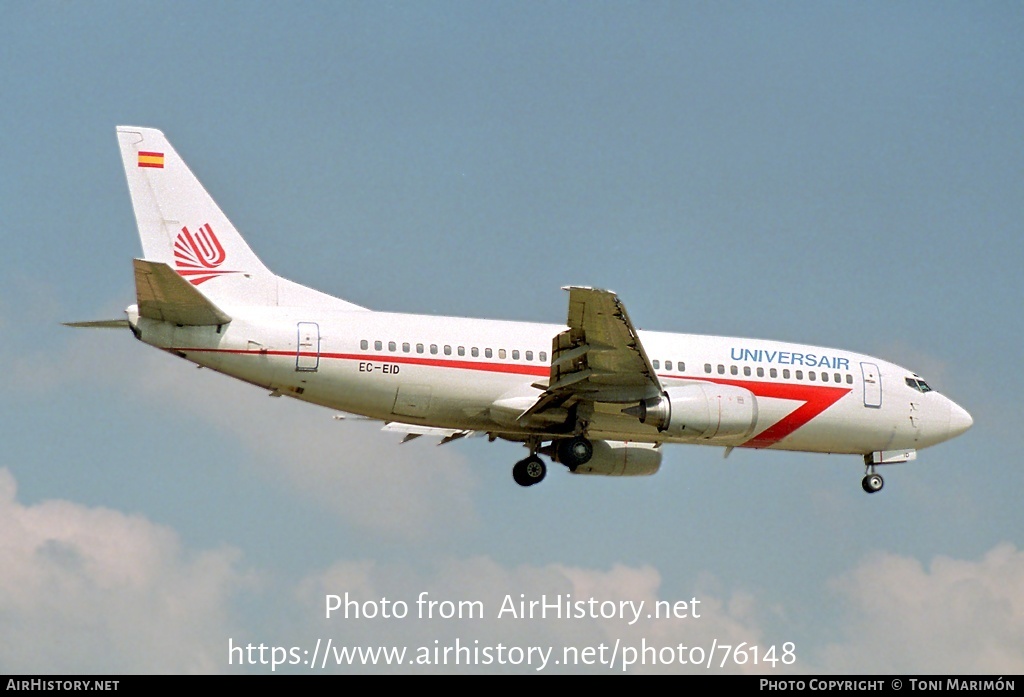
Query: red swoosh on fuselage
{"points": [[815, 398]]}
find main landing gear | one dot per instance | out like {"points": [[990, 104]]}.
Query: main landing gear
{"points": [[571, 452], [529, 471], [872, 482]]}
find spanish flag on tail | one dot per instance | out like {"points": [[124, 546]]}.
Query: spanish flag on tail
{"points": [[151, 159]]}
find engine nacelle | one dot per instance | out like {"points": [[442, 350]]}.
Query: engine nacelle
{"points": [[701, 410], [614, 458]]}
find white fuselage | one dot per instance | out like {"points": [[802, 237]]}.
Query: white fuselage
{"points": [[478, 375]]}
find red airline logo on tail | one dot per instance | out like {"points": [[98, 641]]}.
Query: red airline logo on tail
{"points": [[198, 255]]}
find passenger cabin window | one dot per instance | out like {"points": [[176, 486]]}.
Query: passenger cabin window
{"points": [[433, 349], [488, 353], [656, 364], [785, 373], [543, 356], [799, 375], [721, 369], [405, 347], [515, 354], [746, 370], [364, 344], [529, 355], [475, 352], [377, 346], [849, 379], [773, 372], [668, 365], [392, 346], [707, 368], [501, 354], [760, 372], [419, 348], [462, 350], [447, 350], [734, 370]]}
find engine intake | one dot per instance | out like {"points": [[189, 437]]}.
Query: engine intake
{"points": [[614, 458]]}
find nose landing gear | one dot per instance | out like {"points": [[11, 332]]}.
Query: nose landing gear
{"points": [[872, 482]]}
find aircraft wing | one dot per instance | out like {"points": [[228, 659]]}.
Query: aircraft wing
{"points": [[413, 431], [599, 358]]}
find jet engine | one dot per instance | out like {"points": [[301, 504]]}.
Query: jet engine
{"points": [[614, 458], [701, 410]]}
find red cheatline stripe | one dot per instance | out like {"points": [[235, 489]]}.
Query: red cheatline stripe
{"points": [[815, 398], [443, 363], [514, 368]]}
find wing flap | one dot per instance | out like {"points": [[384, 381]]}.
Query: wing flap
{"points": [[164, 295], [600, 353], [598, 358]]}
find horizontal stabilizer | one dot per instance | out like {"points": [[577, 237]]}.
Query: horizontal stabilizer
{"points": [[164, 295], [100, 324]]}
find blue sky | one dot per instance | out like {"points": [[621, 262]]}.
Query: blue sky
{"points": [[845, 175]]}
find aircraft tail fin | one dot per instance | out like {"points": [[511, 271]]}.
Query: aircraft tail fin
{"points": [[182, 226]]}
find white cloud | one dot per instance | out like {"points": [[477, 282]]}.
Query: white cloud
{"points": [[91, 590], [953, 616]]}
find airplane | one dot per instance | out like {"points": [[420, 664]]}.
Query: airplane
{"points": [[595, 394]]}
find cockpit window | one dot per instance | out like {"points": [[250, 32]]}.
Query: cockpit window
{"points": [[918, 384]]}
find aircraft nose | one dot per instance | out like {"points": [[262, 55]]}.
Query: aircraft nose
{"points": [[959, 420]]}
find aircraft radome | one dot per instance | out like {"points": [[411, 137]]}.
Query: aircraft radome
{"points": [[594, 394]]}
